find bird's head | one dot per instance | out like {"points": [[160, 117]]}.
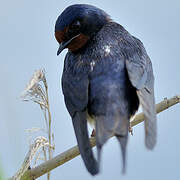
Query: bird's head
{"points": [[77, 25]]}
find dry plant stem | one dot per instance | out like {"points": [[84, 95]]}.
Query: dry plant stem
{"points": [[49, 126], [37, 92], [39, 143], [44, 152], [73, 152]]}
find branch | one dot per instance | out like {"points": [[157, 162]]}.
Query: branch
{"points": [[73, 152]]}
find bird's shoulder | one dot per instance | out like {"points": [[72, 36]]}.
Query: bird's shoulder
{"points": [[112, 45], [130, 51], [119, 38]]}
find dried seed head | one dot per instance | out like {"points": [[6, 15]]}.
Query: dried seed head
{"points": [[34, 90], [38, 76]]}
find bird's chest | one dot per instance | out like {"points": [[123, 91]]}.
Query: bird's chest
{"points": [[93, 60], [95, 67], [78, 66]]}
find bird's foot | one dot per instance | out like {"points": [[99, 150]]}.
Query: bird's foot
{"points": [[93, 134], [131, 130]]}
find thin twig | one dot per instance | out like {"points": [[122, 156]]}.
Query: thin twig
{"points": [[163, 105], [73, 152]]}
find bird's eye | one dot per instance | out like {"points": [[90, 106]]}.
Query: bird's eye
{"points": [[75, 25]]}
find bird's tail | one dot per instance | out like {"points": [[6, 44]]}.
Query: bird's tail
{"points": [[148, 105], [123, 143], [80, 127], [115, 123]]}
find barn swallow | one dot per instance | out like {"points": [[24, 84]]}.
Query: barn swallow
{"points": [[107, 75]]}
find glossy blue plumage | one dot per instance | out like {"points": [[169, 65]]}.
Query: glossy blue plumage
{"points": [[106, 79], [89, 16]]}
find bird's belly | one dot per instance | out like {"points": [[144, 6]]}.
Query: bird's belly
{"points": [[91, 120], [107, 93]]}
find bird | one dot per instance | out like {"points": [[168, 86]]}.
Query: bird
{"points": [[107, 75]]}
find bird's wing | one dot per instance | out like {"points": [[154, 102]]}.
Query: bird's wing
{"points": [[75, 90], [140, 73]]}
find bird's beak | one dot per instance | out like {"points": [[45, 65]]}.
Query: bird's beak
{"points": [[64, 44]]}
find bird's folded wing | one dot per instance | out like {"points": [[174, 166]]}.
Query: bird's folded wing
{"points": [[75, 90], [140, 73]]}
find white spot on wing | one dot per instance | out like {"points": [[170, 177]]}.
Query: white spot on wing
{"points": [[92, 64], [107, 49]]}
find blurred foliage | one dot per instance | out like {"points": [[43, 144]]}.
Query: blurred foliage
{"points": [[1, 173]]}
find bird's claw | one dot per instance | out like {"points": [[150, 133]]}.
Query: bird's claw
{"points": [[93, 134], [131, 130]]}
